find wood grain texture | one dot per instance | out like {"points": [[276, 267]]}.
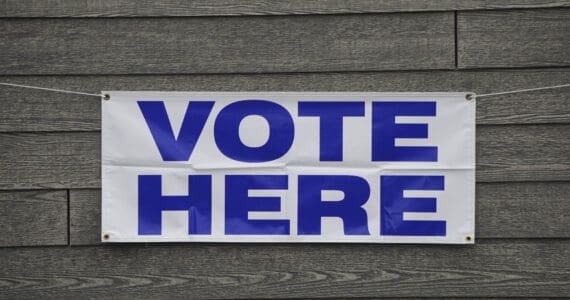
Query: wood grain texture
{"points": [[29, 218], [489, 268], [85, 217], [179, 8], [522, 210], [72, 160], [227, 45], [504, 210], [33, 110], [50, 142], [55, 160], [523, 153], [521, 38]]}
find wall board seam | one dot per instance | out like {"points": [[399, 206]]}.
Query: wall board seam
{"points": [[299, 14]]}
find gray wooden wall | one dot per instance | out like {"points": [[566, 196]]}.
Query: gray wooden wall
{"points": [[50, 143]]}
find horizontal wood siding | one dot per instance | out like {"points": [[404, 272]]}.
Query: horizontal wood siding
{"points": [[50, 143], [184, 8], [29, 218], [54, 160], [517, 210], [507, 39], [227, 45], [491, 268]]}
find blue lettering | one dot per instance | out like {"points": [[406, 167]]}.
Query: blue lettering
{"points": [[239, 203], [385, 131], [171, 148], [152, 203], [311, 207], [393, 205], [331, 116], [281, 131]]}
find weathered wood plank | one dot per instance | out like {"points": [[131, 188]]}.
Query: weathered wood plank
{"points": [[504, 210], [54, 160], [489, 268], [32, 110], [72, 160], [227, 45], [30, 218], [520, 38], [85, 217], [522, 210], [523, 153], [181, 8]]}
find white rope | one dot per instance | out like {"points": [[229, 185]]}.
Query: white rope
{"points": [[106, 96], [524, 90], [49, 89]]}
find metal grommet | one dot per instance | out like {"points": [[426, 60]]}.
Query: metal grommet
{"points": [[106, 97], [106, 236], [470, 97], [468, 238]]}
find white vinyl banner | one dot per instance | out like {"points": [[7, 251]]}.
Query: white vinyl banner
{"points": [[345, 167]]}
